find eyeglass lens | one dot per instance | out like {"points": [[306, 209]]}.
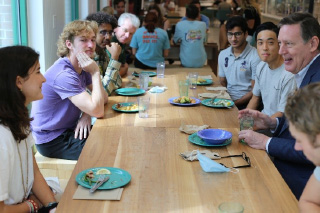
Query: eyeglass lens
{"points": [[236, 34]]}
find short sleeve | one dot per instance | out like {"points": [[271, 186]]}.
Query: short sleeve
{"points": [[317, 173], [220, 65], [68, 84], [134, 43]]}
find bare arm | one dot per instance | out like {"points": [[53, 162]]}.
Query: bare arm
{"points": [[310, 198], [165, 53], [277, 114], [254, 102], [134, 51], [91, 104], [223, 81], [246, 98], [123, 69], [167, 25]]}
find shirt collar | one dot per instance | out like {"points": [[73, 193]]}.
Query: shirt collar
{"points": [[302, 73]]}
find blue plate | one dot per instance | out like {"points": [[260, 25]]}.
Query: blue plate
{"points": [[151, 74], [130, 91], [195, 139], [114, 107], [187, 104], [208, 103], [118, 178], [208, 82]]}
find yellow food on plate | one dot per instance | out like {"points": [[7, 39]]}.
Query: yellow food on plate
{"points": [[201, 80], [103, 172], [184, 100], [127, 108]]}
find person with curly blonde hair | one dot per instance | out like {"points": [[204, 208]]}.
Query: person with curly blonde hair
{"points": [[62, 119]]}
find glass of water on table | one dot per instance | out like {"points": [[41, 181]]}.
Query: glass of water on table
{"points": [[246, 123]]}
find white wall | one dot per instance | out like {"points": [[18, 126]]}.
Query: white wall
{"points": [[87, 7], [45, 23]]}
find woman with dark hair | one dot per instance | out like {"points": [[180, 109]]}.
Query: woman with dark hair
{"points": [[162, 22], [150, 44], [22, 186]]}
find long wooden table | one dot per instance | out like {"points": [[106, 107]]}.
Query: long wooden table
{"points": [[161, 180]]}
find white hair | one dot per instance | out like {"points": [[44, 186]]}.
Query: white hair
{"points": [[133, 18]]}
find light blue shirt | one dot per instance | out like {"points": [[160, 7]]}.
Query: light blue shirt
{"points": [[239, 71], [203, 18], [150, 46], [192, 35]]}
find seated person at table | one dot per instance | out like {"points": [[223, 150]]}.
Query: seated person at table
{"points": [[299, 46], [200, 17], [162, 22], [150, 44], [273, 83], [192, 36], [62, 119], [127, 26], [238, 63], [302, 112], [22, 185], [119, 6], [108, 64]]}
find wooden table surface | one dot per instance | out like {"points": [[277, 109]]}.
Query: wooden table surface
{"points": [[161, 180]]}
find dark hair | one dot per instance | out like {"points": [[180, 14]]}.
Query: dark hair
{"points": [[103, 18], [150, 20], [160, 15], [116, 2], [308, 24], [15, 61], [267, 26], [195, 2], [237, 21], [192, 12]]}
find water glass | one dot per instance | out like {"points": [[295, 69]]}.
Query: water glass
{"points": [[184, 88], [230, 207], [143, 105], [193, 78], [143, 80], [160, 69], [246, 123]]}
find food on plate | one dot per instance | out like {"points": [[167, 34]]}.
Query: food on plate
{"points": [[184, 100], [103, 172], [201, 80], [89, 176], [224, 103], [127, 108]]}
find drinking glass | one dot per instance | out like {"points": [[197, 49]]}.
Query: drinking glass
{"points": [[143, 80], [143, 105], [183, 88], [160, 69], [193, 78], [246, 122]]}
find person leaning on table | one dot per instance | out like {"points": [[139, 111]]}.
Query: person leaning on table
{"points": [[22, 186], [62, 119], [108, 63], [303, 114], [299, 46]]}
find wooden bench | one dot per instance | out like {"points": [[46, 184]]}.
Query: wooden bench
{"points": [[54, 167]]}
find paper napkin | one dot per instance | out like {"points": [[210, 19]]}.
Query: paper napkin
{"points": [[216, 88], [190, 129], [84, 194]]}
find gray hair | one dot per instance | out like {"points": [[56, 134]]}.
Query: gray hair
{"points": [[133, 18]]}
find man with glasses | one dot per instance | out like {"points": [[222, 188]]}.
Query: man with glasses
{"points": [[107, 61], [127, 26], [237, 63]]}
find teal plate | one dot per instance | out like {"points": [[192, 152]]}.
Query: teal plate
{"points": [[130, 91], [208, 103], [151, 74], [114, 107], [208, 82], [118, 178], [195, 139]]}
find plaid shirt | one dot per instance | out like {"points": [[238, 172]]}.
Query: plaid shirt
{"points": [[109, 71]]}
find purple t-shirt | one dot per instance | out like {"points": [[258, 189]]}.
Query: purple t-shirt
{"points": [[55, 113]]}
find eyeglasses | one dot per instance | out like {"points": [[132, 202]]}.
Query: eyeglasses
{"points": [[244, 157], [106, 32], [236, 34], [125, 30]]}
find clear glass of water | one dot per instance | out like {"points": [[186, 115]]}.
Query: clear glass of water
{"points": [[160, 69], [143, 80], [193, 78], [143, 105], [246, 123]]}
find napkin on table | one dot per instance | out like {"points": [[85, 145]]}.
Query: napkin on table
{"points": [[216, 88], [190, 129], [221, 94], [203, 77], [192, 155], [158, 89], [84, 194]]}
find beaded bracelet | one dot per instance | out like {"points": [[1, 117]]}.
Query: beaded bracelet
{"points": [[29, 205], [34, 206]]}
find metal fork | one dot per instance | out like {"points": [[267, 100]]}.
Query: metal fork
{"points": [[99, 182]]}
